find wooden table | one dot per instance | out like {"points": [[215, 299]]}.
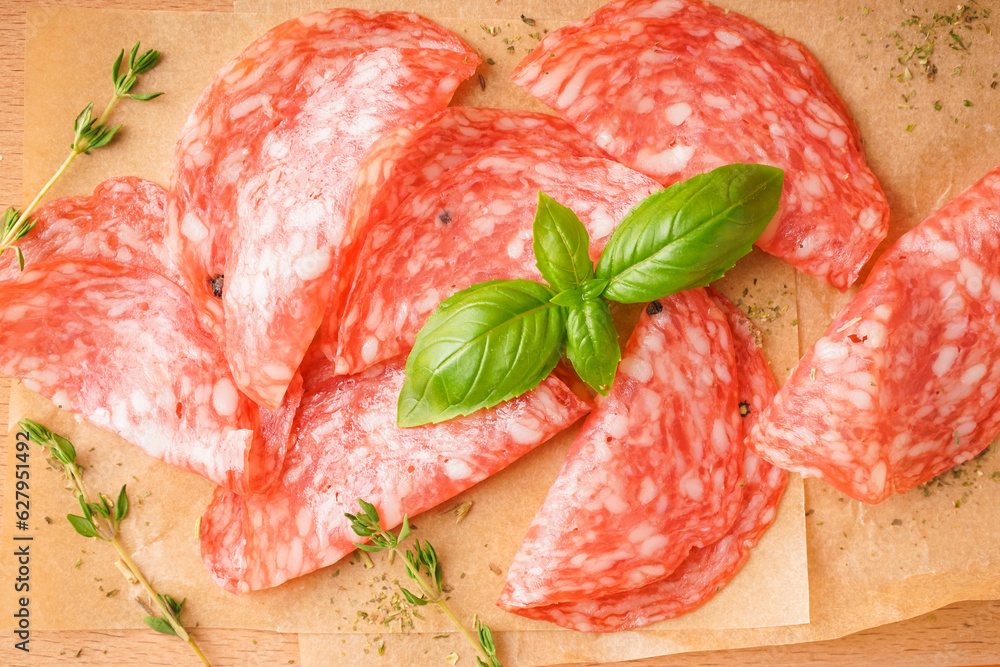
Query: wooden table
{"points": [[965, 633]]}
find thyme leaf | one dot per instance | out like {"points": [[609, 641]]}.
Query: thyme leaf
{"points": [[423, 567], [89, 134]]}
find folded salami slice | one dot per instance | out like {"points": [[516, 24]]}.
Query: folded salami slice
{"points": [[654, 473], [410, 156], [122, 222], [121, 347], [707, 569], [678, 88], [266, 84], [436, 242], [292, 206], [347, 446], [906, 381]]}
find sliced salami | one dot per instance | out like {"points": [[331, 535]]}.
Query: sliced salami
{"points": [[706, 570], [654, 473], [121, 347], [906, 381], [292, 206], [122, 222], [677, 88], [266, 84], [435, 242], [347, 446], [779, 49], [410, 156]]}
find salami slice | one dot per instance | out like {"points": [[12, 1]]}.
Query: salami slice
{"points": [[706, 570], [122, 222], [292, 207], [410, 156], [678, 88], [121, 347], [906, 381], [654, 472], [347, 446], [788, 52], [435, 242], [266, 84]]}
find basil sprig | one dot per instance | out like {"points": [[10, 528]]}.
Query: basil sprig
{"points": [[498, 339]]}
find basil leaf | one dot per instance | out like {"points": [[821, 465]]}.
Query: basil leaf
{"points": [[482, 346], [561, 245], [690, 233], [574, 298], [592, 344], [569, 298]]}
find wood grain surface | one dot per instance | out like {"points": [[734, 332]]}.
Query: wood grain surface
{"points": [[965, 633]]}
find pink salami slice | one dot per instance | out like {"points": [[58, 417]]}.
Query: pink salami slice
{"points": [[266, 84], [678, 88], [122, 222], [788, 52], [654, 472], [906, 381], [436, 242], [410, 156], [707, 569], [291, 232], [121, 347], [347, 446]]}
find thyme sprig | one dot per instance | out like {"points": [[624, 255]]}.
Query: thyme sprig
{"points": [[102, 520], [89, 134], [423, 566]]}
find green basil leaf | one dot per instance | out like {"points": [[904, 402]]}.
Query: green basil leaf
{"points": [[690, 233], [568, 298], [593, 288], [574, 297], [482, 346], [561, 245], [592, 344]]}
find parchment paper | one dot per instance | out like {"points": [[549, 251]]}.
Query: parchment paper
{"points": [[867, 565], [75, 584]]}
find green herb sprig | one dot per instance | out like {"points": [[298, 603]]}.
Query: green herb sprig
{"points": [[89, 134], [498, 339], [102, 520], [423, 566]]}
